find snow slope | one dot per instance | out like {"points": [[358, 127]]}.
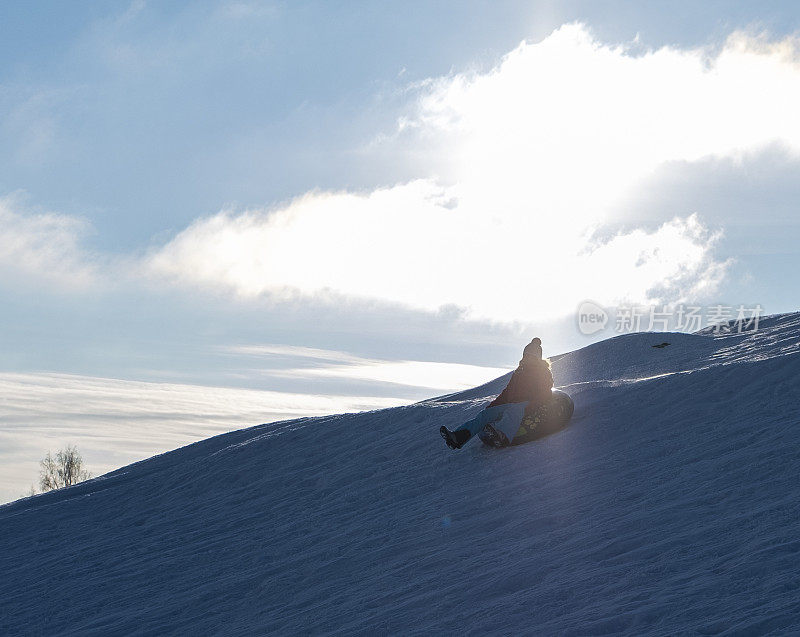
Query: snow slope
{"points": [[669, 506]]}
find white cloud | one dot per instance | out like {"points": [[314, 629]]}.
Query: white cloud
{"points": [[293, 351], [116, 422], [398, 244], [522, 169], [44, 247], [535, 156], [427, 374]]}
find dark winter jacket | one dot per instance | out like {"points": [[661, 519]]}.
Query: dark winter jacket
{"points": [[531, 382]]}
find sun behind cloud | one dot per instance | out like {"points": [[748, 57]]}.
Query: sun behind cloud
{"points": [[516, 218]]}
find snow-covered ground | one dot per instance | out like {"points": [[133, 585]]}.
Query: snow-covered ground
{"points": [[669, 506], [116, 422]]}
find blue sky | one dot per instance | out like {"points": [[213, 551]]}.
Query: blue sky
{"points": [[371, 201]]}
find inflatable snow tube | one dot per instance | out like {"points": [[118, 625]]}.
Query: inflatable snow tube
{"points": [[553, 416]]}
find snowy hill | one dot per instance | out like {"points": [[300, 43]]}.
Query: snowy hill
{"points": [[670, 505]]}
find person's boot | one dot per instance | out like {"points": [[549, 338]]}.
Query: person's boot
{"points": [[455, 439], [493, 437]]}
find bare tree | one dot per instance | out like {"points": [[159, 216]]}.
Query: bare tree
{"points": [[63, 470]]}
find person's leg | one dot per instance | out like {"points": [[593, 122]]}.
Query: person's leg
{"points": [[459, 437], [508, 425], [488, 415]]}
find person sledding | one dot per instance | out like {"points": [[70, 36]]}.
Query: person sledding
{"points": [[520, 402]]}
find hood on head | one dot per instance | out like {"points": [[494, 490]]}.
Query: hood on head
{"points": [[533, 349]]}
